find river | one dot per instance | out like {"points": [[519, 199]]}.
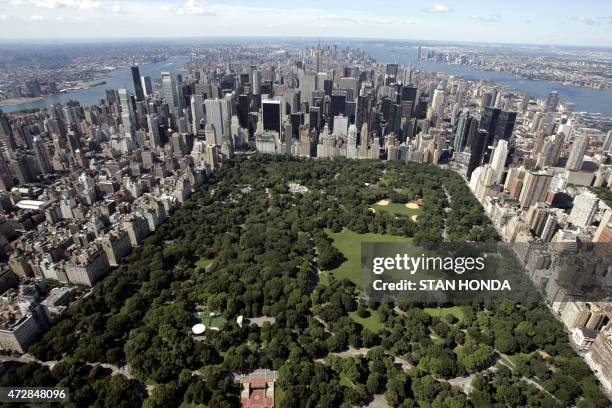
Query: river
{"points": [[585, 99], [119, 78]]}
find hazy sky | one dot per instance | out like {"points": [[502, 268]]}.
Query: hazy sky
{"points": [[579, 22]]}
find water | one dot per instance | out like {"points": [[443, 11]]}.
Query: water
{"points": [[588, 100], [119, 78]]}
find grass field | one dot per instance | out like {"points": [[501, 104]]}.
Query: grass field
{"points": [[397, 209], [349, 243], [372, 322], [456, 311], [203, 263], [345, 381]]}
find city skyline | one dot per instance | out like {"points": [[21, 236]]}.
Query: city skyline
{"points": [[583, 24]]}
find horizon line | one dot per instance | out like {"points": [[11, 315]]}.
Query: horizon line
{"points": [[63, 40]]}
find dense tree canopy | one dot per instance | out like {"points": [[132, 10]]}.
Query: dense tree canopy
{"points": [[244, 245]]}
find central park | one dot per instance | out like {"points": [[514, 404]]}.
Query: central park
{"points": [[250, 243]]}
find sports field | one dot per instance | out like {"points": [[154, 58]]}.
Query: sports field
{"points": [[410, 209]]}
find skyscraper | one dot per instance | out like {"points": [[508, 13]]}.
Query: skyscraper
{"points": [[256, 82], [488, 120], [272, 115], [477, 149], [498, 161], [337, 105], [535, 188], [607, 145], [170, 93], [499, 125], [307, 85], [341, 126], [214, 116], [41, 156], [437, 101], [147, 85], [138, 91], [197, 113], [127, 111], [552, 101], [243, 110], [461, 132], [585, 207], [504, 126], [577, 151]]}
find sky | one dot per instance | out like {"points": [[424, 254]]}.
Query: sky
{"points": [[579, 22]]}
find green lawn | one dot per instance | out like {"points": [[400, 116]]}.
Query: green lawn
{"points": [[345, 381], [371, 322], [349, 243], [397, 209], [456, 311], [279, 393], [185, 404], [203, 263]]}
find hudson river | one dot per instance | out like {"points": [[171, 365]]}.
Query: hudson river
{"points": [[119, 78]]}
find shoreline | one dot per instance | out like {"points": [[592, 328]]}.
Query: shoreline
{"points": [[21, 100]]}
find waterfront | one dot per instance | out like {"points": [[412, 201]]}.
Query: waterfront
{"points": [[587, 100], [119, 78]]}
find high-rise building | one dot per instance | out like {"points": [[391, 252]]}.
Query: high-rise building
{"points": [[272, 111], [607, 145], [170, 92], [498, 161], [256, 82], [577, 151], [437, 102], [461, 133], [488, 121], [138, 90], [477, 150], [551, 150], [499, 125], [154, 135], [147, 85], [341, 126], [198, 115], [350, 84], [504, 126], [307, 85], [584, 209], [214, 116], [337, 105], [535, 188], [41, 155], [552, 101], [128, 117], [244, 104]]}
